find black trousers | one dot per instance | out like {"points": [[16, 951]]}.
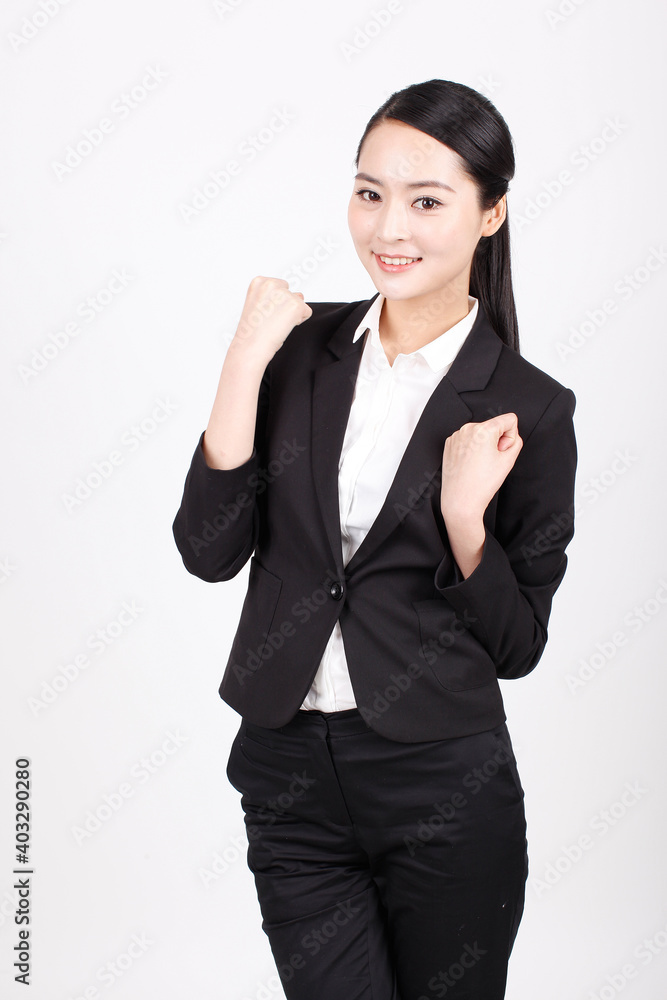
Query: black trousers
{"points": [[384, 870]]}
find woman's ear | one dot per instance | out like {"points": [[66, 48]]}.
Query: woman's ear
{"points": [[494, 218]]}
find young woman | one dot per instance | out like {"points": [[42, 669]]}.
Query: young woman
{"points": [[402, 481]]}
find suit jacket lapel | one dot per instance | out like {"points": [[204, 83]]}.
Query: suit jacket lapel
{"points": [[443, 414]]}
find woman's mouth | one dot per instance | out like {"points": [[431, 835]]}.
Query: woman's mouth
{"points": [[395, 263]]}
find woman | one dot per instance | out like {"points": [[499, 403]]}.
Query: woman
{"points": [[403, 481]]}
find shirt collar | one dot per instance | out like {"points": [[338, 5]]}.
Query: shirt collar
{"points": [[439, 352]]}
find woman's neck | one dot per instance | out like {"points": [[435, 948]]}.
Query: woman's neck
{"points": [[406, 325]]}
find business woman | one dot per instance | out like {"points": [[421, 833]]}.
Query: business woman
{"points": [[402, 481]]}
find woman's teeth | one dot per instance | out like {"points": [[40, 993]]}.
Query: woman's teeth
{"points": [[398, 260]]}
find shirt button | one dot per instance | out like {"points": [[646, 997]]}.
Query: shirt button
{"points": [[336, 591]]}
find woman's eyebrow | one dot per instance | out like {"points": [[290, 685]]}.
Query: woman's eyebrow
{"points": [[412, 184]]}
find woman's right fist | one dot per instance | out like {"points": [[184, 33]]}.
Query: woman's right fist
{"points": [[270, 312]]}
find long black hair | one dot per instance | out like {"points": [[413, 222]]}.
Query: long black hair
{"points": [[467, 122]]}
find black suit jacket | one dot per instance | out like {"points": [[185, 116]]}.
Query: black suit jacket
{"points": [[425, 648]]}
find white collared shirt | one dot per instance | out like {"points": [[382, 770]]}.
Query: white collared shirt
{"points": [[387, 404]]}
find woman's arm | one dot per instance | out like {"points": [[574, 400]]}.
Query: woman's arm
{"points": [[217, 524], [230, 434], [506, 586], [476, 461]]}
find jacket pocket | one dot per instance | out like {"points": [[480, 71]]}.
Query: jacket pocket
{"points": [[251, 646], [457, 659]]}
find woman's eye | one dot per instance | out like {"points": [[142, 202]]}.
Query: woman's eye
{"points": [[433, 201], [364, 191]]}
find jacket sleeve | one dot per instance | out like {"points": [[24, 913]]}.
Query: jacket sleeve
{"points": [[507, 599], [217, 524]]}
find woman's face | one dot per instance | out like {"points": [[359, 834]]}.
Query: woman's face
{"points": [[398, 210]]}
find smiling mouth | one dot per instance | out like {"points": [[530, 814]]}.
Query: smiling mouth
{"points": [[397, 260], [394, 265]]}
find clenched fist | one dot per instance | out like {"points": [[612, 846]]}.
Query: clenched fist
{"points": [[475, 464], [269, 313]]}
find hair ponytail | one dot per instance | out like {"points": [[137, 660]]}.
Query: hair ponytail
{"points": [[491, 283]]}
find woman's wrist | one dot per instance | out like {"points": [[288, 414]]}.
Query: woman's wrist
{"points": [[467, 534]]}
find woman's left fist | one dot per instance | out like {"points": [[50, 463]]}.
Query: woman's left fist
{"points": [[476, 461]]}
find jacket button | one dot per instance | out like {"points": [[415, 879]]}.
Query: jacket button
{"points": [[336, 591]]}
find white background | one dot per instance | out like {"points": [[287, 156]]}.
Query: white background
{"points": [[156, 349]]}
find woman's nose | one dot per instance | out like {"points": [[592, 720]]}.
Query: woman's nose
{"points": [[392, 223]]}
